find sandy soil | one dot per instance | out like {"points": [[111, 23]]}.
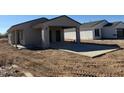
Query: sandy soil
{"points": [[58, 63]]}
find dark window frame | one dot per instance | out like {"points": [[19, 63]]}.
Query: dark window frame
{"points": [[97, 32]]}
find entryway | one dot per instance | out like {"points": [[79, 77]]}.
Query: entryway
{"points": [[56, 34]]}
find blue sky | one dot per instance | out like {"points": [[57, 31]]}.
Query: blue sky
{"points": [[6, 21]]}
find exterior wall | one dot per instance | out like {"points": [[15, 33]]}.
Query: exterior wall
{"points": [[32, 38], [21, 37], [109, 32], [45, 37], [10, 38], [70, 34], [87, 35]]}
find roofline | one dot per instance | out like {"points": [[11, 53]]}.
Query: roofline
{"points": [[94, 21], [43, 22], [25, 22], [29, 21], [63, 16], [116, 24]]}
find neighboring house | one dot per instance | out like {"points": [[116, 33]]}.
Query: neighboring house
{"points": [[42, 32], [92, 30], [113, 30], [88, 31]]}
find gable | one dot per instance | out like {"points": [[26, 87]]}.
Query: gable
{"points": [[63, 21], [101, 25]]}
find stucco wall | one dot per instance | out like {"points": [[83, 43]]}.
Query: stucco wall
{"points": [[10, 38], [109, 32], [32, 37]]}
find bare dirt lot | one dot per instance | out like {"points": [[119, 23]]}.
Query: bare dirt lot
{"points": [[14, 62]]}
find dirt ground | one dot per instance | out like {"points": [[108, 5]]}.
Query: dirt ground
{"points": [[14, 62]]}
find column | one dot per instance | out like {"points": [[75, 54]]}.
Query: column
{"points": [[15, 39], [62, 35], [45, 37], [77, 36]]}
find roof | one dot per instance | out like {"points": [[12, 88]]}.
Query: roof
{"points": [[114, 24], [58, 18], [40, 20], [93, 24], [63, 16]]}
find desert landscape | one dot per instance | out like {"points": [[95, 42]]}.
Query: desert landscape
{"points": [[54, 63]]}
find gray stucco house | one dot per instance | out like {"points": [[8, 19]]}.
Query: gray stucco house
{"points": [[42, 32], [113, 30]]}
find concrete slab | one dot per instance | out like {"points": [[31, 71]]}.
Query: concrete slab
{"points": [[90, 50], [92, 53]]}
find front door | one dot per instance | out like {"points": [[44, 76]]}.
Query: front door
{"points": [[120, 33], [58, 36]]}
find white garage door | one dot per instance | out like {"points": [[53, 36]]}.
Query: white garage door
{"points": [[70, 35], [86, 35]]}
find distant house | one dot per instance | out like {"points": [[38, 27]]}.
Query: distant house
{"points": [[42, 32], [113, 30], [70, 34], [92, 30], [97, 30], [88, 31]]}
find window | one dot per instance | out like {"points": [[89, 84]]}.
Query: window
{"points": [[97, 33]]}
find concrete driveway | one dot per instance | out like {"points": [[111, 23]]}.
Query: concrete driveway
{"points": [[90, 50]]}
